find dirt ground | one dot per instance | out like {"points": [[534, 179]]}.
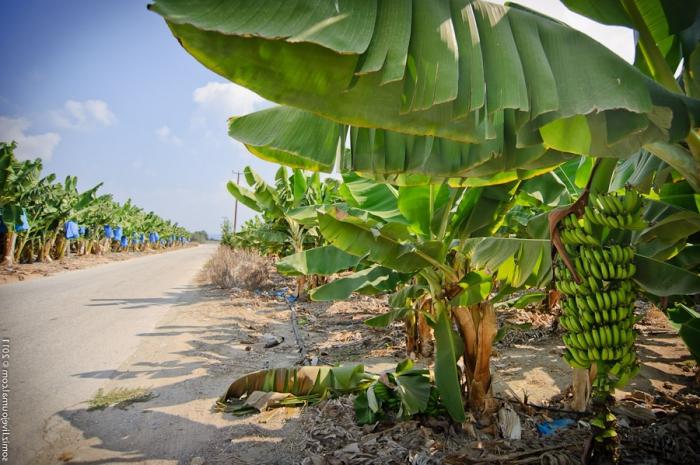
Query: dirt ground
{"points": [[25, 271], [220, 335]]}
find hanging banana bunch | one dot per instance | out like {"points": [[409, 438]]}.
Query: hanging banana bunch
{"points": [[598, 309]]}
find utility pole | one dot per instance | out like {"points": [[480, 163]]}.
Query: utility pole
{"points": [[235, 208]]}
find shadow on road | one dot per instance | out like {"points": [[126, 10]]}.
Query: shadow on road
{"points": [[205, 350], [185, 295]]}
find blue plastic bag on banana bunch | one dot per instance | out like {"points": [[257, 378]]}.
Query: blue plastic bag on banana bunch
{"points": [[71, 228]]}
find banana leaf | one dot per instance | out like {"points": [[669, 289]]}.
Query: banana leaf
{"points": [[447, 68], [372, 280], [323, 261], [513, 261], [382, 246], [446, 355], [664, 279], [687, 322], [291, 386]]}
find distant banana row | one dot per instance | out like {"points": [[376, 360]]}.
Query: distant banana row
{"points": [[598, 311]]}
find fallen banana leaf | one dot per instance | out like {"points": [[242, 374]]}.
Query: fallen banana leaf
{"points": [[278, 387]]}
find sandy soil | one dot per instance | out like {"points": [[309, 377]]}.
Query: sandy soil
{"points": [[25, 271], [193, 356]]}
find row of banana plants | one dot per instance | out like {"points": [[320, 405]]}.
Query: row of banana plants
{"points": [[42, 219], [486, 152]]}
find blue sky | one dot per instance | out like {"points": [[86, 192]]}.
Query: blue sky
{"points": [[101, 90]]}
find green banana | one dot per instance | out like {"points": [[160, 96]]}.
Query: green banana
{"points": [[608, 335], [600, 303], [617, 204], [611, 271], [592, 304], [612, 296], [593, 284]]}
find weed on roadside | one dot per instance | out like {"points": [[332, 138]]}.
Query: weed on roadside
{"points": [[119, 397]]}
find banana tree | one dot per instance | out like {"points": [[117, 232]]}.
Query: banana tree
{"points": [[284, 207], [17, 181], [430, 243]]}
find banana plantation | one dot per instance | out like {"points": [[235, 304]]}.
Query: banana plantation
{"points": [[484, 151], [42, 219], [480, 244]]}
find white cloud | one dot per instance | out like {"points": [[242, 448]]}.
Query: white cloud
{"points": [[85, 114], [215, 103], [29, 146], [165, 134], [228, 98]]}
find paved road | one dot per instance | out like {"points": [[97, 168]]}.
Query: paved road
{"points": [[80, 322]]}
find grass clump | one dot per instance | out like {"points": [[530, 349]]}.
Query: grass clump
{"points": [[119, 397], [243, 269]]}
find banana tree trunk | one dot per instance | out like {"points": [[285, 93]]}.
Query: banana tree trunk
{"points": [[61, 244], [19, 248], [478, 327], [301, 281], [9, 249], [410, 335], [49, 246], [425, 337]]}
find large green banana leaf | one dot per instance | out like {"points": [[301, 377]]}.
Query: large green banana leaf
{"points": [[325, 260], [447, 352], [664, 279], [372, 280], [300, 139], [456, 69], [382, 246]]}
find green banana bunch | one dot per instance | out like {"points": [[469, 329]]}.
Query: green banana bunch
{"points": [[597, 304], [577, 231], [614, 211]]}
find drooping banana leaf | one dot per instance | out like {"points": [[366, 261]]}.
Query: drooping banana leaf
{"points": [[643, 170], [378, 199], [447, 68], [325, 260], [300, 139], [369, 281]]}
